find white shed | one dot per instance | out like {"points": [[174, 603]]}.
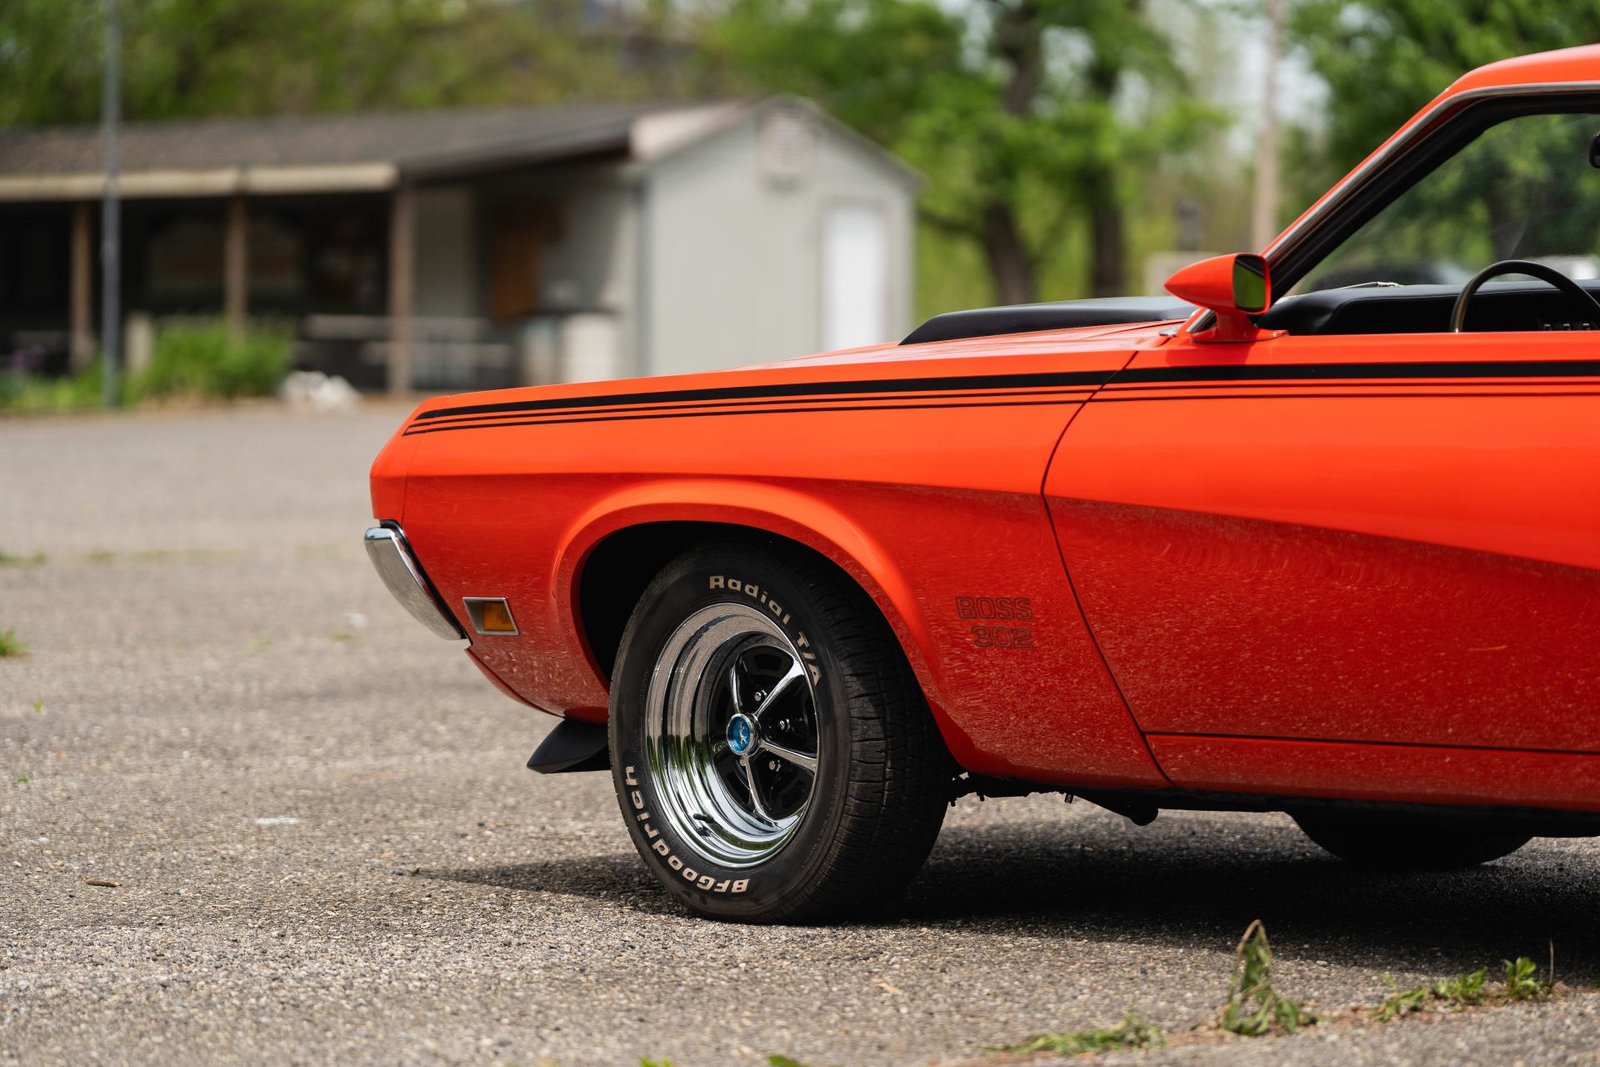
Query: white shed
{"points": [[733, 234]]}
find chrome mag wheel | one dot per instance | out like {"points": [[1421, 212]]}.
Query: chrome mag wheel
{"points": [[732, 737]]}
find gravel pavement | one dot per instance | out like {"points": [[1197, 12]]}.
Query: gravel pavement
{"points": [[324, 847]]}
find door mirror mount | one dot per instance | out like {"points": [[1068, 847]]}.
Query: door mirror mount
{"points": [[1232, 287]]}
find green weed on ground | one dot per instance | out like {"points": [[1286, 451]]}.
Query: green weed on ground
{"points": [[1132, 1033], [11, 644], [11, 559], [1254, 1007], [1521, 982]]}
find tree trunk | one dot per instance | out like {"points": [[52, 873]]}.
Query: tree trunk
{"points": [[1108, 251], [1018, 43], [1010, 266]]}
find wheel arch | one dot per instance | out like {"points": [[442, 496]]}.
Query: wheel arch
{"points": [[614, 551]]}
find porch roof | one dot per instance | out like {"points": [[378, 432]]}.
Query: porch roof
{"points": [[324, 153]]}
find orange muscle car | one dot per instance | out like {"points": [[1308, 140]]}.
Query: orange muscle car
{"points": [[1270, 545]]}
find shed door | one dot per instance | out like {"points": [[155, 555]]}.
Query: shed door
{"points": [[855, 275]]}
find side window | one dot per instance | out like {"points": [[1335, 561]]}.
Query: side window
{"points": [[1523, 189]]}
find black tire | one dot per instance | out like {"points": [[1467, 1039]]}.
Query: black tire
{"points": [[742, 631], [1407, 843]]}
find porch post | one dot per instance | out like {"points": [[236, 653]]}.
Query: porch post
{"points": [[402, 257], [235, 269], [81, 351]]}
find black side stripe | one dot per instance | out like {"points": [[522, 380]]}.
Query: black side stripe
{"points": [[803, 396], [735, 407], [784, 390], [1245, 372], [632, 417]]}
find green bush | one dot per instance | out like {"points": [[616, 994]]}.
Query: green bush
{"points": [[192, 358], [33, 393], [200, 358]]}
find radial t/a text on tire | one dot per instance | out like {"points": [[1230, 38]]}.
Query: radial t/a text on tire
{"points": [[772, 753]]}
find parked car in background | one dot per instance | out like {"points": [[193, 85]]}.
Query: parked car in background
{"points": [[1334, 553]]}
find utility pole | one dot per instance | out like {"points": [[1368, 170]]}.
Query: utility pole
{"points": [[110, 207], [1264, 204]]}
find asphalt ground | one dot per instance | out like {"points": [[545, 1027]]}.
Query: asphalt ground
{"points": [[325, 848]]}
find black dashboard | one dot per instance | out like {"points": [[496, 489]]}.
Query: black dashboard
{"points": [[1498, 306]]}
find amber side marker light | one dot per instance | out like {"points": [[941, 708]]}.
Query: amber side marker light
{"points": [[491, 615]]}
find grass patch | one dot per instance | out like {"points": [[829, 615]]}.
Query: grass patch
{"points": [[11, 559], [1254, 1007], [1132, 1033], [24, 778], [11, 644]]}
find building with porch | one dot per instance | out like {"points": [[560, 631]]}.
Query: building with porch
{"points": [[470, 249]]}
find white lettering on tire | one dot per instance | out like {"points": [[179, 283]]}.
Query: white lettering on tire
{"points": [[758, 594], [661, 848]]}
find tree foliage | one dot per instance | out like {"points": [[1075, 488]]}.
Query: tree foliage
{"points": [[1028, 117], [251, 57], [1384, 59]]}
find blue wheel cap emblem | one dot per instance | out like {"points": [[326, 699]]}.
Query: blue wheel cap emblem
{"points": [[741, 733]]}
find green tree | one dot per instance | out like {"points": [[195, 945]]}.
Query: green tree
{"points": [[185, 58], [1385, 59], [1029, 117]]}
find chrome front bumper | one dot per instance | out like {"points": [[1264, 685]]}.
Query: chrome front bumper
{"points": [[400, 571]]}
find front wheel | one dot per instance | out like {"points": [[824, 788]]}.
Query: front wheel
{"points": [[1412, 843], [772, 754]]}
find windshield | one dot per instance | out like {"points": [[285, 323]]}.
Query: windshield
{"points": [[1525, 188]]}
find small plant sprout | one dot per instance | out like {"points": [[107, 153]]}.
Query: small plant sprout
{"points": [[38, 707], [1132, 1033], [1254, 1007], [1469, 990], [24, 778], [11, 644], [1458, 992], [11, 559], [1522, 982]]}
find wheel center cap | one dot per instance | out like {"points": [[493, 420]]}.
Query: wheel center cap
{"points": [[741, 734]]}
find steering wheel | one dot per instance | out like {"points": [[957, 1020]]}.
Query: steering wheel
{"points": [[1458, 314]]}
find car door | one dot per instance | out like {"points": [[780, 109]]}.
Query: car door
{"points": [[1382, 539]]}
